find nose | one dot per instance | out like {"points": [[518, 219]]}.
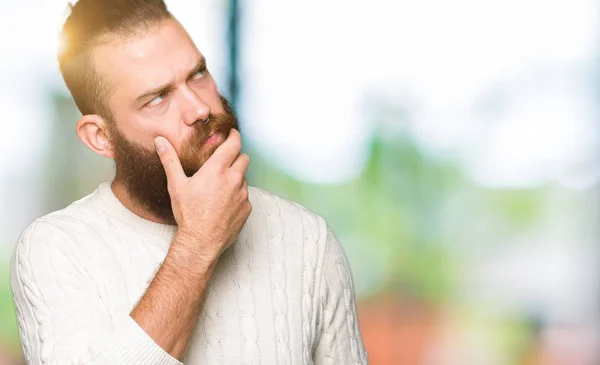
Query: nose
{"points": [[194, 109]]}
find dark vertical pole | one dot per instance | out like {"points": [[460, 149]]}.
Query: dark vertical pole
{"points": [[233, 40]]}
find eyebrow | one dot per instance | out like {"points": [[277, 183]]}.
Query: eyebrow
{"points": [[169, 85]]}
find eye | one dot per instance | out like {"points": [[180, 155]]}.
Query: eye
{"points": [[157, 100], [199, 74]]}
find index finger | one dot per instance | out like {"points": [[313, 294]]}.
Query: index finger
{"points": [[170, 161]]}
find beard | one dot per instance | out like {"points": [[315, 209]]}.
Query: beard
{"points": [[141, 172]]}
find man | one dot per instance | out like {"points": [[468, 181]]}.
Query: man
{"points": [[176, 260]]}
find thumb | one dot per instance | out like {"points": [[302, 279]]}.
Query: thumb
{"points": [[170, 161]]}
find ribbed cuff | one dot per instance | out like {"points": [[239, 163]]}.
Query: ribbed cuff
{"points": [[131, 345]]}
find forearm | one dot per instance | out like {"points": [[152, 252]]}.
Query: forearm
{"points": [[169, 310]]}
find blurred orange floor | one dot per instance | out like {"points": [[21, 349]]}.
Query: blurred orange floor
{"points": [[396, 332]]}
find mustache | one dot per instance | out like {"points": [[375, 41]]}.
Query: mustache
{"points": [[217, 123]]}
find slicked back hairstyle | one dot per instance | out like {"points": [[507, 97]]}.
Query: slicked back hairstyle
{"points": [[92, 23]]}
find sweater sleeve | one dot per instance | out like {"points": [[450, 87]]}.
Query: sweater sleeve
{"points": [[61, 317], [339, 338]]}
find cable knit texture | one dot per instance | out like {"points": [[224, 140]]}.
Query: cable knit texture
{"points": [[281, 294]]}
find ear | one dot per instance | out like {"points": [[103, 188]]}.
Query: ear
{"points": [[92, 130]]}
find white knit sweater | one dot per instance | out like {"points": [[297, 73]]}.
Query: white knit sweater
{"points": [[281, 294]]}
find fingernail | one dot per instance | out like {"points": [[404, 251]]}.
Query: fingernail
{"points": [[159, 142]]}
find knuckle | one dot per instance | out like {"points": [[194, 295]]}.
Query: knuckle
{"points": [[168, 161], [220, 169], [236, 177], [213, 168]]}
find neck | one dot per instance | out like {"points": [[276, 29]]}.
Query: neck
{"points": [[138, 209]]}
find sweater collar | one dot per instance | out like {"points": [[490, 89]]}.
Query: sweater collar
{"points": [[117, 209]]}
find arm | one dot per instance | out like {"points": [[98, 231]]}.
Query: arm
{"points": [[62, 319], [170, 308], [210, 208], [339, 340]]}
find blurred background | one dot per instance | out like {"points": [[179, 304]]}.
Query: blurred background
{"points": [[453, 147]]}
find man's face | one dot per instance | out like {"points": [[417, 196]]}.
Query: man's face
{"points": [[161, 87]]}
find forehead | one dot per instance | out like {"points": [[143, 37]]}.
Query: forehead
{"points": [[139, 63]]}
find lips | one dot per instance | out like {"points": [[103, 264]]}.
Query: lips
{"points": [[213, 138]]}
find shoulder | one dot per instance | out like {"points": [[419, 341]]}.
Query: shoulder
{"points": [[62, 225], [74, 220], [61, 232], [287, 212], [272, 202], [46, 236], [301, 232]]}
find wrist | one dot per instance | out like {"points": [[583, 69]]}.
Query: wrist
{"points": [[192, 250]]}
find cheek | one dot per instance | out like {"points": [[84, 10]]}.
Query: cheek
{"points": [[216, 99], [166, 125], [142, 126], [177, 133], [175, 136], [209, 93]]}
